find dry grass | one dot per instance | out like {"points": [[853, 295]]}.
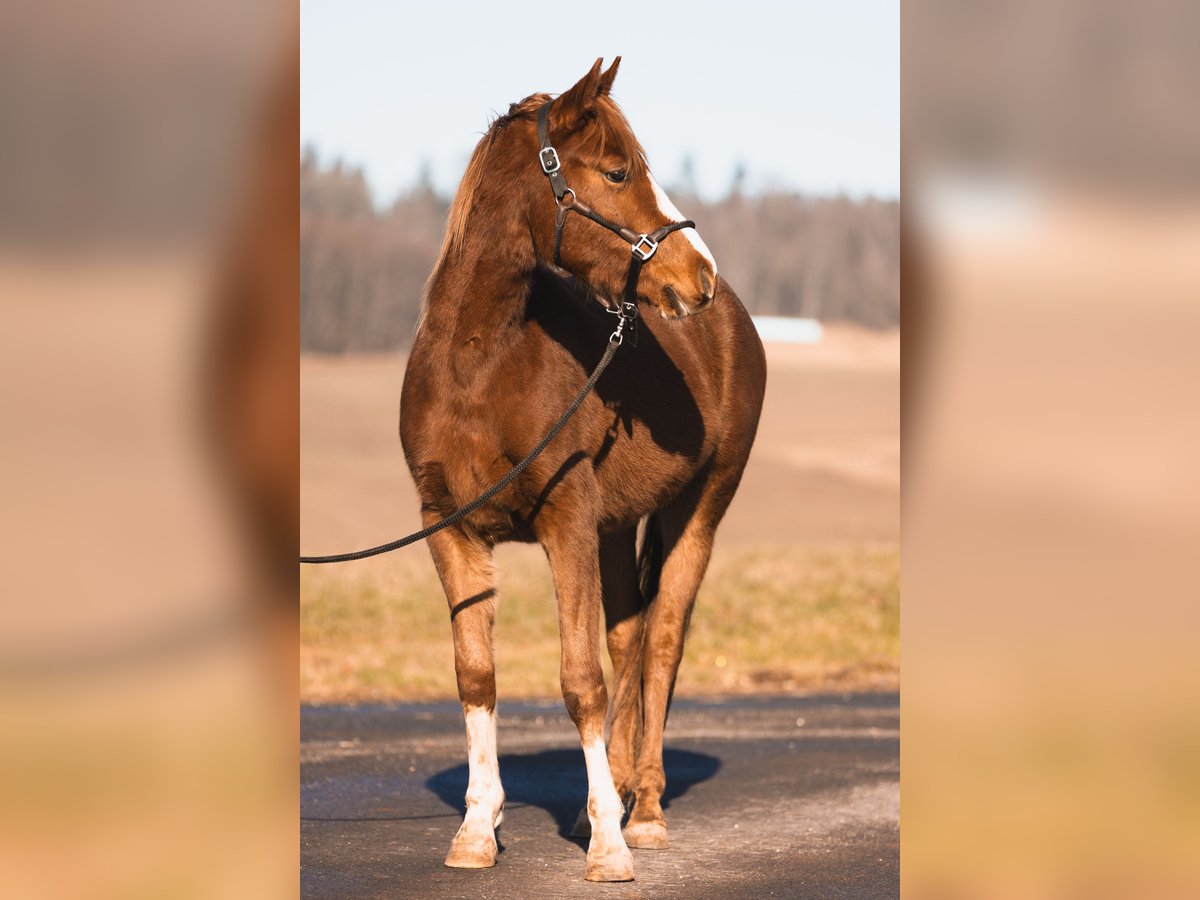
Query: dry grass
{"points": [[766, 620]]}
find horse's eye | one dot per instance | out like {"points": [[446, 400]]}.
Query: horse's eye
{"points": [[616, 176]]}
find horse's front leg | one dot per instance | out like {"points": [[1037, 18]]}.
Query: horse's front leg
{"points": [[623, 614], [568, 532], [465, 568]]}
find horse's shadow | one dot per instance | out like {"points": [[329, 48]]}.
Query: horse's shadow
{"points": [[556, 781]]}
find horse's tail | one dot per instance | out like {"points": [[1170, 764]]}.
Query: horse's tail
{"points": [[650, 559]]}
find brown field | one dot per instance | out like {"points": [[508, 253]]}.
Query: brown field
{"points": [[803, 592]]}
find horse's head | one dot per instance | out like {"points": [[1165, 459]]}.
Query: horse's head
{"points": [[605, 168]]}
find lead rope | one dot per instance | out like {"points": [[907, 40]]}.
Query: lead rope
{"points": [[614, 342]]}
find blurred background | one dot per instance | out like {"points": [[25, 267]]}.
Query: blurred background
{"points": [[1052, 503], [795, 189], [148, 232]]}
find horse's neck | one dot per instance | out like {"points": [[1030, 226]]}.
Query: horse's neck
{"points": [[479, 294], [477, 307]]}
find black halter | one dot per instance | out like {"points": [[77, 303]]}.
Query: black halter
{"points": [[642, 246]]}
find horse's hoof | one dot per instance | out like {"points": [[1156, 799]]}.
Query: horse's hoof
{"points": [[646, 836], [479, 854], [615, 865], [583, 825]]}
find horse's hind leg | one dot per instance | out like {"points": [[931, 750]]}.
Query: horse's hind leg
{"points": [[465, 568], [686, 529]]}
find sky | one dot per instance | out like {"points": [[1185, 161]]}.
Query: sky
{"points": [[805, 95]]}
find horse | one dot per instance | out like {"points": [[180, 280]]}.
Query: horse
{"points": [[627, 498]]}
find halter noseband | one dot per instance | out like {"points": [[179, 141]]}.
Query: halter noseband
{"points": [[642, 246]]}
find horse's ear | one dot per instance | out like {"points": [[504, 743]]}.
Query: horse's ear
{"points": [[567, 111], [607, 79]]}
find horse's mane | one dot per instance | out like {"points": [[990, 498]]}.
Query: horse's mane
{"points": [[611, 134]]}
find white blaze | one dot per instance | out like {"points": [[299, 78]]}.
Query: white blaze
{"points": [[671, 211]]}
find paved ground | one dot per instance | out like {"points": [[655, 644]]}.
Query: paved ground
{"points": [[778, 797]]}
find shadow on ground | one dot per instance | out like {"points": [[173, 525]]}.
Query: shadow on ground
{"points": [[556, 781], [771, 796]]}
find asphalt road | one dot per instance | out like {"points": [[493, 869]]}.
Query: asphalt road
{"points": [[770, 797]]}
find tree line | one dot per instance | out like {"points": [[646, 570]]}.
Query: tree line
{"points": [[362, 269]]}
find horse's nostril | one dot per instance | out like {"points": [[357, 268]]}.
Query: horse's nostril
{"points": [[708, 286]]}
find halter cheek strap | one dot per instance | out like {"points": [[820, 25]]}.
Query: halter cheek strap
{"points": [[642, 246]]}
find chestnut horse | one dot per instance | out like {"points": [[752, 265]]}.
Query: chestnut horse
{"points": [[505, 341]]}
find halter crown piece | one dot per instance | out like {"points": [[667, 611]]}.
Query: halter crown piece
{"points": [[642, 246]]}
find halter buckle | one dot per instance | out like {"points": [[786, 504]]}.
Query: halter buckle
{"points": [[625, 310], [548, 157], [644, 253]]}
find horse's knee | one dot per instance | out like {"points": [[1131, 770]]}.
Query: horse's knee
{"points": [[476, 683], [474, 664], [585, 696]]}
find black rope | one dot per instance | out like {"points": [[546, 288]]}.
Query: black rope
{"points": [[463, 511]]}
